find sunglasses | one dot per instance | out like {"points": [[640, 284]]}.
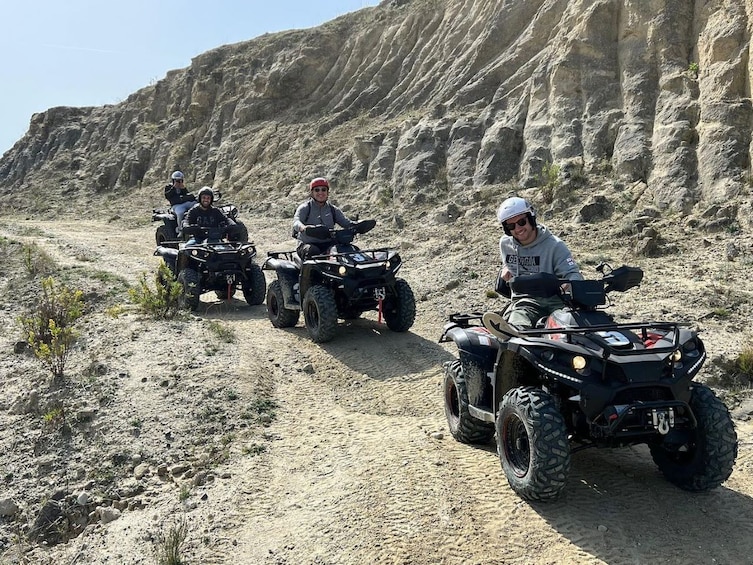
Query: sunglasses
{"points": [[319, 189], [520, 223]]}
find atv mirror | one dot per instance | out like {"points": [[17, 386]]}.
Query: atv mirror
{"points": [[364, 226], [623, 278]]}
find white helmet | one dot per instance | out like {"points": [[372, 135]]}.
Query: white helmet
{"points": [[514, 206], [177, 175]]}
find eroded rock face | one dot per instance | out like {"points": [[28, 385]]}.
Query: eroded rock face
{"points": [[410, 93]]}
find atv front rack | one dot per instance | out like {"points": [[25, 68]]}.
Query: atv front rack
{"points": [[592, 333]]}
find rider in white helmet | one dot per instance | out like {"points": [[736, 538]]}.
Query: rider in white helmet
{"points": [[180, 199], [528, 248]]}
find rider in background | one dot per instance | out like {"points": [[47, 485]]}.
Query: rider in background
{"points": [[314, 212], [528, 248], [203, 216], [180, 199]]}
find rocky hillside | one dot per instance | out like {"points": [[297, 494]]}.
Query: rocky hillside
{"points": [[413, 96]]}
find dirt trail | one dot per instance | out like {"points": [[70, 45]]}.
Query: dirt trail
{"points": [[361, 469]]}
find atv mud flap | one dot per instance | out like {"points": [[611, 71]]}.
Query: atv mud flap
{"points": [[628, 422], [288, 281]]}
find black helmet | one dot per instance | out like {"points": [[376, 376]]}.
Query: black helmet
{"points": [[205, 190]]}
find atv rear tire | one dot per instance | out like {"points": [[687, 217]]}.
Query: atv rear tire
{"points": [[463, 427], [240, 233], [280, 316], [400, 309], [705, 461], [191, 283], [255, 286], [532, 443], [163, 234], [320, 313]]}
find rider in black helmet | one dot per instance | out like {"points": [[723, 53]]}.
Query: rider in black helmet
{"points": [[205, 216]]}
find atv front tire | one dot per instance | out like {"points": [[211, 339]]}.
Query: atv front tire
{"points": [[400, 309], [463, 427], [705, 460], [280, 316], [191, 283], [240, 233], [532, 443], [320, 313], [255, 285]]}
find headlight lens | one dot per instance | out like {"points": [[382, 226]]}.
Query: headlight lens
{"points": [[676, 356], [342, 270], [579, 362]]}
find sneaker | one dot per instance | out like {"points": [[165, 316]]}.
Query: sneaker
{"points": [[498, 327]]}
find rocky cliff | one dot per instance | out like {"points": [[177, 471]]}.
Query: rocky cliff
{"points": [[419, 96]]}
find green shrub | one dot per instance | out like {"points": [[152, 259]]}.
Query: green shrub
{"points": [[744, 361], [48, 328], [550, 181], [36, 260], [224, 333], [162, 302], [168, 547]]}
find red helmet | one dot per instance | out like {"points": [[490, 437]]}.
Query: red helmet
{"points": [[319, 181]]}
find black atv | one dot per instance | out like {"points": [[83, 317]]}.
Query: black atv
{"points": [[579, 379], [214, 265], [168, 231], [342, 283]]}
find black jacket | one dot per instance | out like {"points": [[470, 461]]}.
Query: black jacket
{"points": [[178, 195], [198, 217]]}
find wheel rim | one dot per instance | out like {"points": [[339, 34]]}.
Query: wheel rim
{"points": [[452, 401], [516, 445], [274, 306], [312, 315]]}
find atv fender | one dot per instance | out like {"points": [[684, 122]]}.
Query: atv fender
{"points": [[475, 344], [279, 264]]}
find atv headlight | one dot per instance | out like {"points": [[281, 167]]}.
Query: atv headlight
{"points": [[579, 362], [200, 253], [342, 270], [387, 265], [690, 349], [676, 356]]}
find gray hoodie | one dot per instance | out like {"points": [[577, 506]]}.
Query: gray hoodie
{"points": [[547, 254], [310, 213]]}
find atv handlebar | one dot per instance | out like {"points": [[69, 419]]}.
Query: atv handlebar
{"points": [[207, 233], [323, 232], [583, 293]]}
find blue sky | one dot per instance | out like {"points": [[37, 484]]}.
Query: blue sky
{"points": [[90, 53]]}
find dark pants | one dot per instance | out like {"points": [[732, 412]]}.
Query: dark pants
{"points": [[308, 250]]}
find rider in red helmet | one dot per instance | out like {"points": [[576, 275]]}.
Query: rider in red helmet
{"points": [[313, 212]]}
